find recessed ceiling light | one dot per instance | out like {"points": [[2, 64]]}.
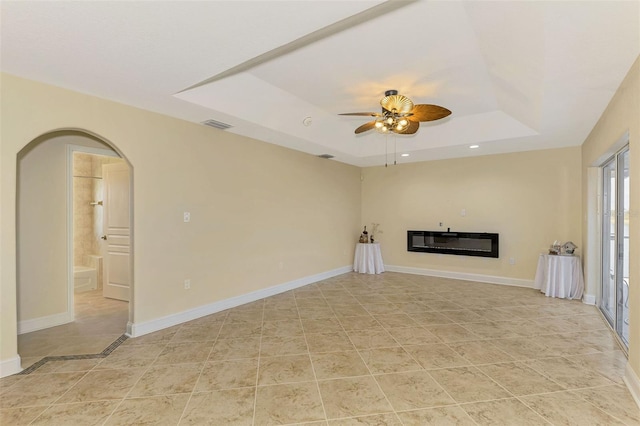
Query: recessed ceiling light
{"points": [[404, 155], [474, 146]]}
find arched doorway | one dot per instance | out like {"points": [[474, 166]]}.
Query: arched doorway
{"points": [[48, 224]]}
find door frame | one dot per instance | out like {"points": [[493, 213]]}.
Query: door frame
{"points": [[71, 149], [618, 267]]}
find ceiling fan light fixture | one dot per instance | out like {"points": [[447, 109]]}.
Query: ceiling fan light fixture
{"points": [[396, 103], [395, 110]]}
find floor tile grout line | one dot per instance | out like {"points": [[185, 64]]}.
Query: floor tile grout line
{"points": [[596, 407], [372, 375], [103, 354], [204, 364], [544, 374], [435, 381], [422, 369], [313, 368], [548, 376], [255, 390], [522, 401], [149, 366], [49, 405]]}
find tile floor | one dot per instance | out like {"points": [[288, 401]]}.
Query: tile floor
{"points": [[99, 321], [391, 349]]}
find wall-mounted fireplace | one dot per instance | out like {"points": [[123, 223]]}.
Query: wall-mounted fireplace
{"points": [[458, 243]]}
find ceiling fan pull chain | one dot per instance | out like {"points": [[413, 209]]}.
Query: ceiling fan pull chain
{"points": [[395, 150], [386, 150]]}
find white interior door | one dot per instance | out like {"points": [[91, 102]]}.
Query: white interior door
{"points": [[117, 229]]}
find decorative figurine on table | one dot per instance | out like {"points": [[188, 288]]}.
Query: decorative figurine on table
{"points": [[364, 237], [555, 248], [569, 247]]}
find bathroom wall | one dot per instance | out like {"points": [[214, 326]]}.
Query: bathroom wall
{"points": [[87, 218], [83, 212]]}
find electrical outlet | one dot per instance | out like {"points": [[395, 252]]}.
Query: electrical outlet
{"points": [[187, 284], [187, 217], [512, 261]]}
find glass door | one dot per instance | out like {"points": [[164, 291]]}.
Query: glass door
{"points": [[622, 276], [608, 296], [614, 301]]}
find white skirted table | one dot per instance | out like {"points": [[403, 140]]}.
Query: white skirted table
{"points": [[368, 259], [560, 276]]}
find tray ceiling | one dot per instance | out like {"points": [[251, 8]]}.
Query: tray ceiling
{"points": [[518, 75]]}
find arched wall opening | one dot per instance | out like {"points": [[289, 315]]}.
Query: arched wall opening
{"points": [[44, 226]]}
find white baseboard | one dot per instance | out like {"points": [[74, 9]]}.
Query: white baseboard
{"points": [[490, 279], [10, 366], [27, 326], [589, 299], [633, 383], [140, 329]]}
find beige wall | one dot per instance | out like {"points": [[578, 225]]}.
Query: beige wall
{"points": [[621, 116], [254, 206], [529, 198]]}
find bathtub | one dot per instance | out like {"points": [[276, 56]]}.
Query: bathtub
{"points": [[85, 278]]}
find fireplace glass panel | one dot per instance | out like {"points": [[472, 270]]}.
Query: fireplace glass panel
{"points": [[456, 243]]}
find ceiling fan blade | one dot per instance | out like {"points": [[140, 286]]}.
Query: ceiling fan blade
{"points": [[411, 128], [366, 126], [426, 112], [364, 114]]}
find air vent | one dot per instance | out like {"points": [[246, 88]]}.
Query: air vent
{"points": [[217, 124], [325, 156]]}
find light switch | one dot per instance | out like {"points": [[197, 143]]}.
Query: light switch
{"points": [[187, 217]]}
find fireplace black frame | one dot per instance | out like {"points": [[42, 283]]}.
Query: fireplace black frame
{"points": [[481, 244]]}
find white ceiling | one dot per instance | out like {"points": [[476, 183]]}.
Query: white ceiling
{"points": [[518, 75]]}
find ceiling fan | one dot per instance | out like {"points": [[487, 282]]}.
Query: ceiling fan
{"points": [[400, 115]]}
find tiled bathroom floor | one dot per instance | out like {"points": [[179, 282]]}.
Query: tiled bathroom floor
{"points": [[390, 349]]}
